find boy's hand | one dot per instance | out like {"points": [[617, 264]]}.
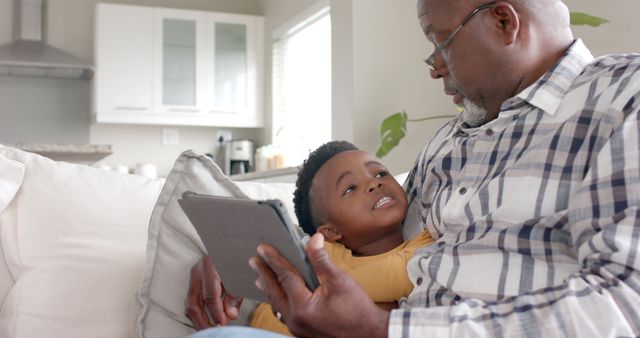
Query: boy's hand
{"points": [[338, 307], [207, 303]]}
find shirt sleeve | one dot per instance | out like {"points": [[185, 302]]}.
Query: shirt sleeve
{"points": [[602, 298]]}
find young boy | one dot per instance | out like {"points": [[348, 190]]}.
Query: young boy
{"points": [[350, 197]]}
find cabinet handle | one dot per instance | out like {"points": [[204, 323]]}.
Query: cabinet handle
{"points": [[131, 108], [185, 110]]}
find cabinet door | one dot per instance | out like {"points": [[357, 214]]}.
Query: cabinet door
{"points": [[233, 89], [122, 84], [178, 52]]}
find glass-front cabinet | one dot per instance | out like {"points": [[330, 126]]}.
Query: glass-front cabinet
{"points": [[232, 89], [179, 61], [206, 69], [230, 65]]}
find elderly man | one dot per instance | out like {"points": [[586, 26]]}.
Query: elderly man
{"points": [[532, 192]]}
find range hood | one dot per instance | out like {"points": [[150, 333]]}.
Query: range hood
{"points": [[29, 55]]}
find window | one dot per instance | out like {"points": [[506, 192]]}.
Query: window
{"points": [[302, 86]]}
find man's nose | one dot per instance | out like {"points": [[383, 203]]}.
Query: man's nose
{"points": [[439, 72], [375, 185], [440, 69]]}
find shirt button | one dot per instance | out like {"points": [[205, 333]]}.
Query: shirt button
{"points": [[489, 132], [462, 191], [419, 281]]}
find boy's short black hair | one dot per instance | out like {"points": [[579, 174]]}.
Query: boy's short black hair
{"points": [[306, 174]]}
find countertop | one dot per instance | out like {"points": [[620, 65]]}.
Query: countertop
{"points": [[75, 153], [257, 175]]}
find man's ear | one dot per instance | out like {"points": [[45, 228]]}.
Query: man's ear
{"points": [[330, 232], [507, 21]]}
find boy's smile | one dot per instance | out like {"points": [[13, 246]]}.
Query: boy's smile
{"points": [[356, 198], [384, 201]]}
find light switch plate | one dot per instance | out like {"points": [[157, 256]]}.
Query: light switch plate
{"points": [[170, 136]]}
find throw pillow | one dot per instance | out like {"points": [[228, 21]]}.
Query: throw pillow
{"points": [[174, 246], [74, 241]]}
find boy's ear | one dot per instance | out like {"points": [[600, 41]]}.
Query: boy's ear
{"points": [[330, 232]]}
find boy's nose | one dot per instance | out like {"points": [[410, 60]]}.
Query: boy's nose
{"points": [[375, 185]]}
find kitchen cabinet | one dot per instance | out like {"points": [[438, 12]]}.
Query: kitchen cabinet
{"points": [[234, 66], [179, 52], [123, 83], [197, 68]]}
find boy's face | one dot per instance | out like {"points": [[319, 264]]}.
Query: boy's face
{"points": [[356, 195]]}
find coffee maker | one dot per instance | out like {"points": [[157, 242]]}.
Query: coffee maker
{"points": [[236, 157]]}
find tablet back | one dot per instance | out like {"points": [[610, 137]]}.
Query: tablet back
{"points": [[231, 230]]}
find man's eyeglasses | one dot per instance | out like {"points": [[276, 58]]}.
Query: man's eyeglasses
{"points": [[431, 60]]}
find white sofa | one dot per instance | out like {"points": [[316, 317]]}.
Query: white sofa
{"points": [[79, 256]]}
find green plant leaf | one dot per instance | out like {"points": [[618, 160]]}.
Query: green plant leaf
{"points": [[579, 18], [392, 130]]}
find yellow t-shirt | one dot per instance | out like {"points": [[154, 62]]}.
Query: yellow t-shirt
{"points": [[384, 277]]}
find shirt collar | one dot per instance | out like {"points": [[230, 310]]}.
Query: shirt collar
{"points": [[548, 91]]}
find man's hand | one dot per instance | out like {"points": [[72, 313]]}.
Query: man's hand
{"points": [[337, 308], [207, 303]]}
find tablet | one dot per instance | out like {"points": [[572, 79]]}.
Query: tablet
{"points": [[231, 230]]}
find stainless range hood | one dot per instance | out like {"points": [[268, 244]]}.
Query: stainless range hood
{"points": [[29, 55]]}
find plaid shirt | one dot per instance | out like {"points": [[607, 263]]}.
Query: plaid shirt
{"points": [[535, 213]]}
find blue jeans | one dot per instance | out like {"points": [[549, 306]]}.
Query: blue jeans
{"points": [[235, 332]]}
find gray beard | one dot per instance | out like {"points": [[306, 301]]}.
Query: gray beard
{"points": [[473, 115]]}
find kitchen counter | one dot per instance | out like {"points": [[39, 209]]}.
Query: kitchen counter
{"points": [[75, 153], [284, 175]]}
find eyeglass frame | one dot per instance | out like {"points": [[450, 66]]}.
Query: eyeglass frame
{"points": [[431, 60]]}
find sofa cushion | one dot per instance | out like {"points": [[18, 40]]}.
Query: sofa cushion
{"points": [[74, 241], [174, 246], [10, 180], [11, 175]]}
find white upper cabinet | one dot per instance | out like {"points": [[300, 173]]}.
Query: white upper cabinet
{"points": [[234, 43], [204, 68], [124, 76], [179, 61]]}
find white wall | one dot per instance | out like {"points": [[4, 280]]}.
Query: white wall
{"points": [[389, 74], [620, 35], [70, 26], [343, 118]]}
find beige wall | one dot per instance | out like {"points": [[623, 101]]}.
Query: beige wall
{"points": [[6, 8], [389, 75], [620, 35]]}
